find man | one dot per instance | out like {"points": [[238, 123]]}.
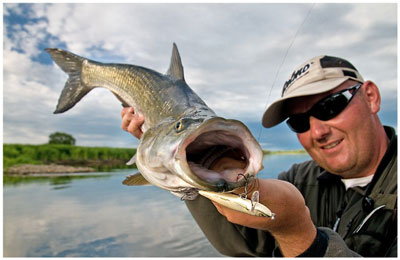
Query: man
{"points": [[344, 201]]}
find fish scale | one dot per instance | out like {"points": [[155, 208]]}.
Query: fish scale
{"points": [[120, 79]]}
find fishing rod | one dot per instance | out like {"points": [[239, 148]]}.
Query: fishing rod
{"points": [[283, 61]]}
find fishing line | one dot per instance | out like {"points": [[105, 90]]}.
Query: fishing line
{"points": [[283, 61]]}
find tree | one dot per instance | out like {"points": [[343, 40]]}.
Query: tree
{"points": [[61, 138]]}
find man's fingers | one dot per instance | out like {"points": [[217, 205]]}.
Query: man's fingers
{"points": [[131, 122], [127, 110], [134, 128], [126, 119]]}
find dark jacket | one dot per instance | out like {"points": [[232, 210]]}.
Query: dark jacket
{"points": [[365, 218]]}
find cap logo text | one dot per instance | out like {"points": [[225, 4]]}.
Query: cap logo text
{"points": [[296, 74]]}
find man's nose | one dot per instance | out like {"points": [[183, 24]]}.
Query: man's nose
{"points": [[319, 129]]}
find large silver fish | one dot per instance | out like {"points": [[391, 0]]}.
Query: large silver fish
{"points": [[182, 135]]}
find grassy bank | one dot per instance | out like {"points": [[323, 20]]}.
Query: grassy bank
{"points": [[97, 157]]}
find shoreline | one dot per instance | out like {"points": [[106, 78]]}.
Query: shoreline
{"points": [[31, 169], [89, 165]]}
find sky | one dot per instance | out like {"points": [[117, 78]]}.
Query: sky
{"points": [[236, 58]]}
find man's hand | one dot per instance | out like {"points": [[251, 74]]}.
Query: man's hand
{"points": [[292, 227], [131, 122]]}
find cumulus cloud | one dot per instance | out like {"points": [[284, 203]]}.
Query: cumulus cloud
{"points": [[233, 55]]}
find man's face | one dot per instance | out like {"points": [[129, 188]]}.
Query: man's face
{"points": [[345, 144]]}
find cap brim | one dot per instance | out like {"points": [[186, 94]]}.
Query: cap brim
{"points": [[275, 113]]}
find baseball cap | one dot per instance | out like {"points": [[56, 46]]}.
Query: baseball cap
{"points": [[318, 75]]}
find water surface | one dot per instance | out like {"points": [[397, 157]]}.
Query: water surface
{"points": [[95, 216]]}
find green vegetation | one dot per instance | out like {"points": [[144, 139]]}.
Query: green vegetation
{"points": [[61, 138], [96, 157]]}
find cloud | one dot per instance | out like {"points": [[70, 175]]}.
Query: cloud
{"points": [[233, 55]]}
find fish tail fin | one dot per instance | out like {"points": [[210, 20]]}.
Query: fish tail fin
{"points": [[74, 89]]}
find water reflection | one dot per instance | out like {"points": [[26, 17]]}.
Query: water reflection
{"points": [[56, 180], [97, 217], [85, 216]]}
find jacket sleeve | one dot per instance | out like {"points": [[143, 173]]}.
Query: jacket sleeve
{"points": [[229, 239], [336, 247]]}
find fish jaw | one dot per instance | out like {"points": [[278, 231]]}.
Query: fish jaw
{"points": [[215, 138]]}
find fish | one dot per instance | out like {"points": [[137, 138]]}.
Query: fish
{"points": [[182, 136]]}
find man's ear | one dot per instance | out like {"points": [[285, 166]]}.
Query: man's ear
{"points": [[372, 96]]}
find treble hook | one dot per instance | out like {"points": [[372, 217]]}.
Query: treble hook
{"points": [[247, 179], [255, 198]]}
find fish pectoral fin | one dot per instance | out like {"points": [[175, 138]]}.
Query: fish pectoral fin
{"points": [[132, 160], [136, 179]]}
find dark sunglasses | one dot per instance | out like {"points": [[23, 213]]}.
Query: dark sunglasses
{"points": [[325, 109]]}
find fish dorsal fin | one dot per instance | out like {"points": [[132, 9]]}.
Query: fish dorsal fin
{"points": [[136, 179], [175, 67]]}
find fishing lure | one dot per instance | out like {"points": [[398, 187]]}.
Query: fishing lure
{"points": [[240, 202]]}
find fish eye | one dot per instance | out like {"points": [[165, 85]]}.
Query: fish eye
{"points": [[179, 126]]}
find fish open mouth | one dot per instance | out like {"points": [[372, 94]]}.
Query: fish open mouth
{"points": [[224, 158]]}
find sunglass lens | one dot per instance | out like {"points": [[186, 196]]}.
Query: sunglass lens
{"points": [[330, 108], [299, 123]]}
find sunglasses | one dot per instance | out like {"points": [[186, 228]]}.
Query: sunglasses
{"points": [[325, 109]]}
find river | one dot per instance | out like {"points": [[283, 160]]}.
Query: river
{"points": [[94, 215]]}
